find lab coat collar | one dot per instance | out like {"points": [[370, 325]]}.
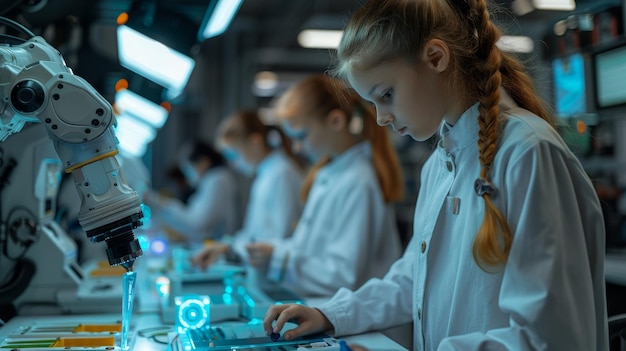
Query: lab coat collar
{"points": [[268, 161], [465, 132], [338, 163]]}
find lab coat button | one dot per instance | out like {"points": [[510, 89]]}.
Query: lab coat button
{"points": [[419, 313], [449, 166], [423, 246]]}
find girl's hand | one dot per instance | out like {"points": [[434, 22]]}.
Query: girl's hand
{"points": [[310, 320], [209, 254], [260, 254]]}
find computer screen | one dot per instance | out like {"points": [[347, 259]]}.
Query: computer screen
{"points": [[569, 85], [610, 77]]}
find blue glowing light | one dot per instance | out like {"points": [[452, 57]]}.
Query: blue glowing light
{"points": [[162, 285], [144, 242], [158, 246]]}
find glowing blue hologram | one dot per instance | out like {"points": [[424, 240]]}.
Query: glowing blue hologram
{"points": [[192, 312]]}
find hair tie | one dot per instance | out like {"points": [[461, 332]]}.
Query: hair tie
{"points": [[482, 186]]}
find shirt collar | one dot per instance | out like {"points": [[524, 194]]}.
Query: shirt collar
{"points": [[462, 134], [362, 149], [268, 161], [465, 131]]}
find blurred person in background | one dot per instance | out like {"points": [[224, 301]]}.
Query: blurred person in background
{"points": [[264, 153], [347, 233], [178, 186], [211, 211]]}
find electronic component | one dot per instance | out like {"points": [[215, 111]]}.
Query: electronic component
{"points": [[248, 336], [61, 335], [192, 312]]}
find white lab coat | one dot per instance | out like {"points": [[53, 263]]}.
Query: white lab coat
{"points": [[274, 202], [347, 233], [549, 295], [211, 211]]}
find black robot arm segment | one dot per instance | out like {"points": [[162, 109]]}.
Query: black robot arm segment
{"points": [[37, 86]]}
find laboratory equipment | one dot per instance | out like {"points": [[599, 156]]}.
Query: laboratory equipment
{"points": [[74, 134], [192, 312], [248, 336], [61, 335], [128, 296], [235, 292], [186, 280]]}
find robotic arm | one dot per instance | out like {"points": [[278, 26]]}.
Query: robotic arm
{"points": [[37, 86]]}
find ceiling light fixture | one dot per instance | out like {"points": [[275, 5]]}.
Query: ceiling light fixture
{"points": [[131, 104], [218, 17], [320, 38], [522, 7], [153, 60], [518, 44], [557, 5], [133, 135]]}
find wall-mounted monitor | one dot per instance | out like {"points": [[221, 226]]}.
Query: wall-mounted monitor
{"points": [[570, 97], [610, 77]]}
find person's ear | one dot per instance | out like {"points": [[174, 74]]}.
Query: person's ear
{"points": [[337, 120], [436, 55]]}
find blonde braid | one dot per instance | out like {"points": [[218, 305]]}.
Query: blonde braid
{"points": [[493, 240]]}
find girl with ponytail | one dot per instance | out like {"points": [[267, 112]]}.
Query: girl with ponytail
{"points": [[347, 233], [263, 153], [508, 245]]}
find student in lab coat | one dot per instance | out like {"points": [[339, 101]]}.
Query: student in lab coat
{"points": [[508, 245], [211, 211], [347, 232], [262, 152]]}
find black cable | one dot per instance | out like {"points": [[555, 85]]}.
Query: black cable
{"points": [[4, 181], [17, 26], [16, 40], [154, 334]]}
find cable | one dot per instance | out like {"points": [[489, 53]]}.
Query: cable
{"points": [[155, 333], [17, 40], [4, 181], [17, 26]]}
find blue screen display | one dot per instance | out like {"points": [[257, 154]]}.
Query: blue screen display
{"points": [[569, 85]]}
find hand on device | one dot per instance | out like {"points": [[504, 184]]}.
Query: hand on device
{"points": [[309, 320], [209, 254], [260, 254]]}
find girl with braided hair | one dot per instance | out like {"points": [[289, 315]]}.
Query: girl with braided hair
{"points": [[508, 245]]}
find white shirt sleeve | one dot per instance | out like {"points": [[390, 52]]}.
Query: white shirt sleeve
{"points": [[340, 252], [206, 210], [378, 304], [548, 282], [273, 208], [285, 207]]}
